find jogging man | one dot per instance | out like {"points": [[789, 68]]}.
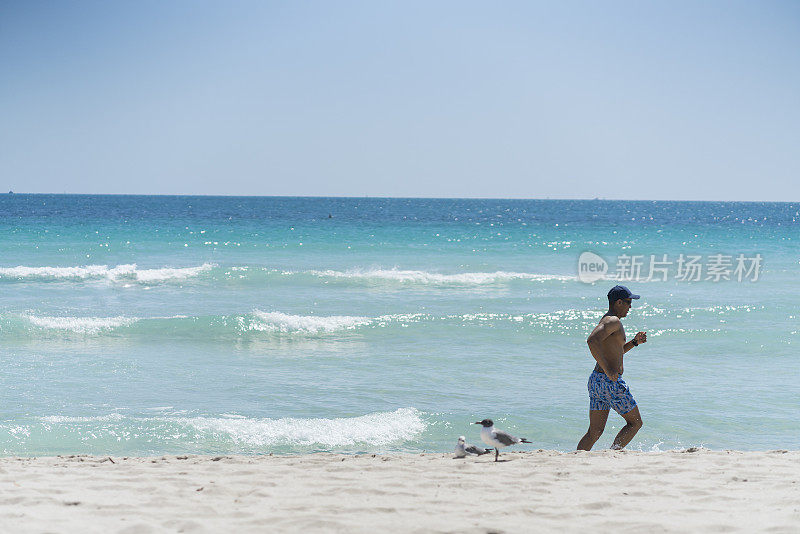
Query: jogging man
{"points": [[606, 388]]}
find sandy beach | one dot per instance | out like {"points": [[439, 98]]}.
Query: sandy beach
{"points": [[693, 490]]}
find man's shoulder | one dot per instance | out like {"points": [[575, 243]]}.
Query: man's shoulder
{"points": [[610, 319]]}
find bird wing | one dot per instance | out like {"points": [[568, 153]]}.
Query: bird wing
{"points": [[505, 438], [474, 449]]}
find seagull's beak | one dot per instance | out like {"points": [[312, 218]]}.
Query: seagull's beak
{"points": [[477, 423]]}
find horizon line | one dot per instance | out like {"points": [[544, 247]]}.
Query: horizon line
{"points": [[13, 193]]}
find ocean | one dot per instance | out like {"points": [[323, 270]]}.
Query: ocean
{"points": [[149, 325]]}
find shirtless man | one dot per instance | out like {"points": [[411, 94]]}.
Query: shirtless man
{"points": [[606, 387]]}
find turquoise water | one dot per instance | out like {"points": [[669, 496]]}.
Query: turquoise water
{"points": [[136, 325]]}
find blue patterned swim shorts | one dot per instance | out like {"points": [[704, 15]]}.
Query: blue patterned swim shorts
{"points": [[604, 394]]}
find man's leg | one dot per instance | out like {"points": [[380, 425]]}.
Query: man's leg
{"points": [[634, 423], [597, 423]]}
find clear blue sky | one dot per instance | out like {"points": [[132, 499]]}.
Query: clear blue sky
{"points": [[636, 100]]}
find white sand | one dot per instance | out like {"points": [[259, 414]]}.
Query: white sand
{"points": [[533, 492]]}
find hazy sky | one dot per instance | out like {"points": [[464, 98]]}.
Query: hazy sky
{"points": [[638, 100]]}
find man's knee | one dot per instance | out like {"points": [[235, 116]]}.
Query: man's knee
{"points": [[636, 423], [595, 433]]}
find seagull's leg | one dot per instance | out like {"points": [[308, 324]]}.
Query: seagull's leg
{"points": [[496, 453]]}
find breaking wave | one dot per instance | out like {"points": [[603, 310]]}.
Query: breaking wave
{"points": [[425, 277], [256, 323], [278, 325], [259, 275], [391, 429], [127, 272], [80, 325], [381, 428], [310, 324]]}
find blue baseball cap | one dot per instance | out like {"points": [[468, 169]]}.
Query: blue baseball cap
{"points": [[620, 292]]}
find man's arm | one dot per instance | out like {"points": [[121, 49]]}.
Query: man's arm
{"points": [[607, 326], [638, 339]]}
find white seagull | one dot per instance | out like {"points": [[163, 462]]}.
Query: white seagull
{"points": [[497, 438], [463, 448]]}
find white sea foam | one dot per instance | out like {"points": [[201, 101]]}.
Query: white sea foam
{"points": [[100, 272], [63, 419], [80, 325], [305, 324], [381, 428], [275, 323], [168, 273], [425, 277], [68, 273]]}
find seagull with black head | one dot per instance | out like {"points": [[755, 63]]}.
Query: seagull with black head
{"points": [[497, 438]]}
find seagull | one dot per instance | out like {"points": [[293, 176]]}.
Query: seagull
{"points": [[463, 448], [497, 438]]}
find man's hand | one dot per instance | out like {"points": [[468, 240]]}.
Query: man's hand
{"points": [[640, 337], [613, 376]]}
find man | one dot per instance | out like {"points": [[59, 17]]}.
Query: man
{"points": [[606, 387]]}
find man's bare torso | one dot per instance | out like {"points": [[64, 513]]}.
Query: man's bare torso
{"points": [[612, 349]]}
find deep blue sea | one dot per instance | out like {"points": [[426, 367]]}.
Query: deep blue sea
{"points": [[142, 325]]}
